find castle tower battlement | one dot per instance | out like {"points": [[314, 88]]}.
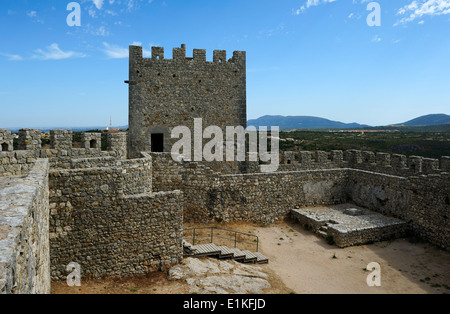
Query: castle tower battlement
{"points": [[166, 93]]}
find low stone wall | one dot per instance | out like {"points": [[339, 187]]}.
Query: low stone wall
{"points": [[265, 198], [167, 173], [345, 225], [24, 237], [108, 221], [260, 198], [423, 202], [17, 163]]}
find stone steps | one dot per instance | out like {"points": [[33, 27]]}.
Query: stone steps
{"points": [[224, 252]]}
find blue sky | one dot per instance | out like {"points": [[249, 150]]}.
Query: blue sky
{"points": [[304, 57]]}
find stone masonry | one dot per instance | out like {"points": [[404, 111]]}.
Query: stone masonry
{"points": [[166, 93], [120, 211]]}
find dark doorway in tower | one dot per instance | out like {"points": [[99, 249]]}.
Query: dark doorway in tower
{"points": [[157, 143]]}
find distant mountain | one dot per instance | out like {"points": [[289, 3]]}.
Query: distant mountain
{"points": [[431, 119], [301, 122]]}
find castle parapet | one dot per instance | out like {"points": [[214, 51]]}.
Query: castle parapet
{"points": [[399, 162], [61, 139], [321, 157], [179, 55], [430, 165], [6, 141], [305, 158], [30, 139], [91, 140], [369, 157], [117, 142], [157, 53], [415, 163], [337, 157], [353, 157], [383, 160], [445, 163]]}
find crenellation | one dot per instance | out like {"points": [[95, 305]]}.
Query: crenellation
{"points": [[383, 159], [369, 157], [179, 54], [220, 56], [157, 53], [430, 165], [337, 157], [6, 141], [287, 158], [353, 156], [199, 55], [305, 158], [29, 139], [415, 163], [445, 163], [91, 140], [399, 162], [321, 157], [117, 142], [61, 139]]}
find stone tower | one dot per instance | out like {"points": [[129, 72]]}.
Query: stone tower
{"points": [[165, 93]]}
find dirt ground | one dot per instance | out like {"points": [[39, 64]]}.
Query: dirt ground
{"points": [[302, 263]]}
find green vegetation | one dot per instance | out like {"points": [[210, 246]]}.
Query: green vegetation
{"points": [[425, 144]]}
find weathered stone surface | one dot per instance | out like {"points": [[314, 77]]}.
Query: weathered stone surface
{"points": [[208, 276], [168, 93], [24, 240], [348, 226], [118, 217]]}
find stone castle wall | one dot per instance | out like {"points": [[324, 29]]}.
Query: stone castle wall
{"points": [[24, 236], [120, 212], [395, 164], [421, 200], [165, 93], [61, 153], [107, 220]]}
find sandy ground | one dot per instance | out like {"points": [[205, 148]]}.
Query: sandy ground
{"points": [[302, 263], [307, 264]]}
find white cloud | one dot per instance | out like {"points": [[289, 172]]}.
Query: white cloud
{"points": [[115, 52], [311, 3], [12, 57], [101, 31], [53, 52], [376, 39], [419, 8], [31, 13], [98, 4]]}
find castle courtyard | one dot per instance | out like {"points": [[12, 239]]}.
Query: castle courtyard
{"points": [[303, 263]]}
